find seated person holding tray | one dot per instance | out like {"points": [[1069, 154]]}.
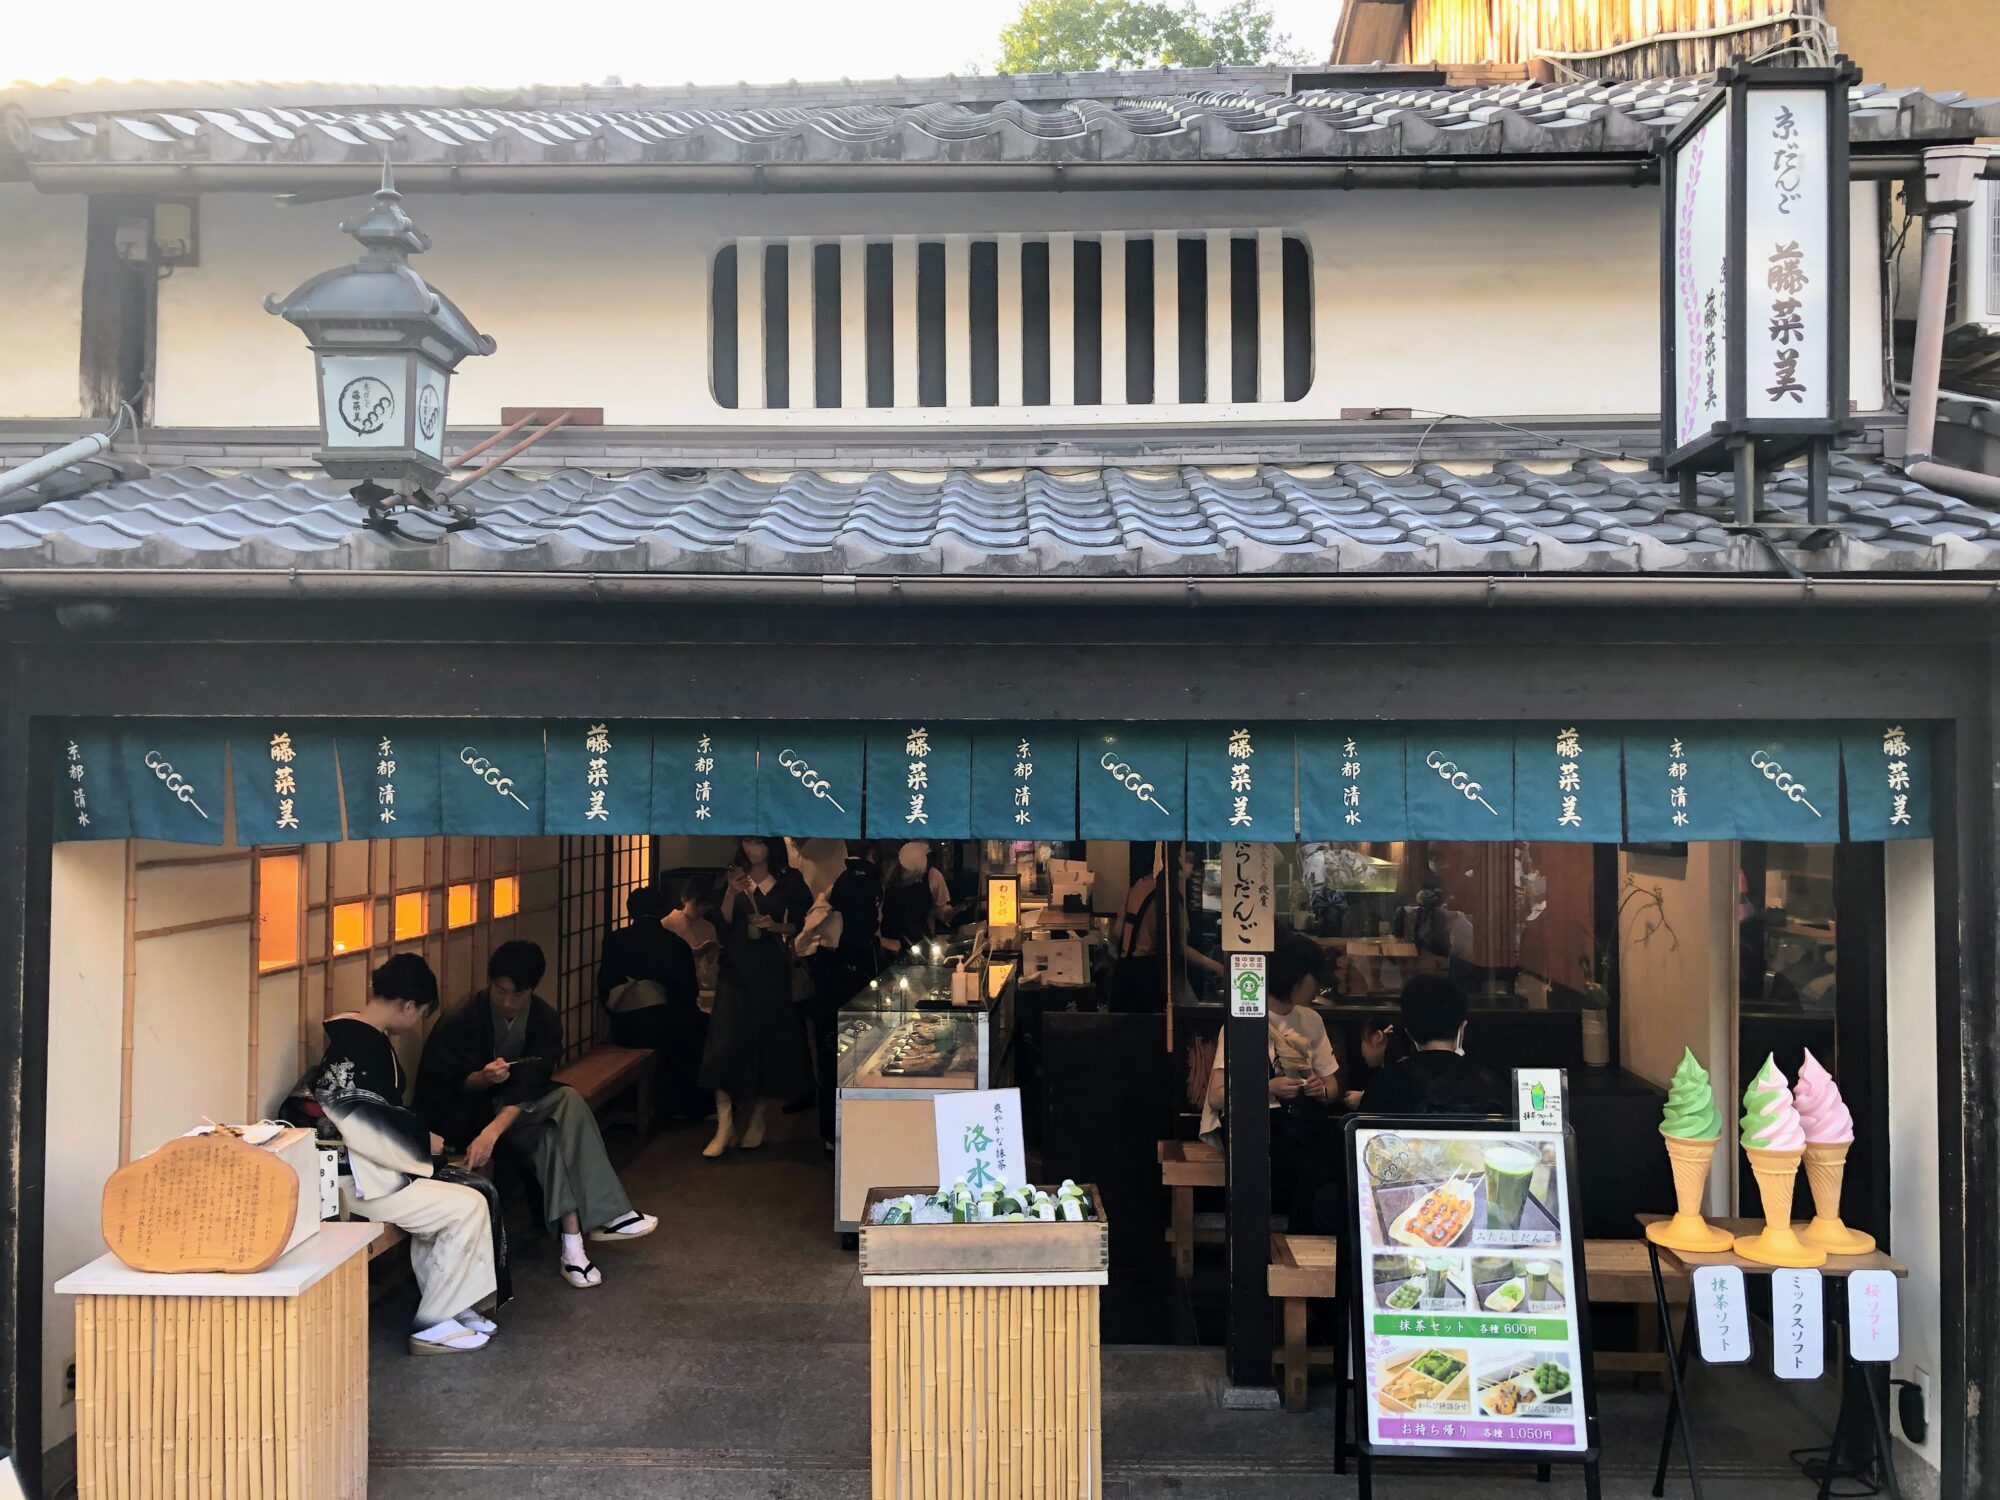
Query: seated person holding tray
{"points": [[390, 1175], [485, 1084], [1437, 1078]]}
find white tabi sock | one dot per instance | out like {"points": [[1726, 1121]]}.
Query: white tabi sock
{"points": [[573, 1253]]}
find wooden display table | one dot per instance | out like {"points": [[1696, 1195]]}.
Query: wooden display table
{"points": [[251, 1387], [985, 1378], [1853, 1375]]}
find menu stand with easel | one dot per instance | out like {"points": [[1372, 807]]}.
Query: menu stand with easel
{"points": [[1469, 1327], [1838, 1268]]}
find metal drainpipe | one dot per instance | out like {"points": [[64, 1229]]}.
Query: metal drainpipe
{"points": [[23, 475], [1950, 176]]}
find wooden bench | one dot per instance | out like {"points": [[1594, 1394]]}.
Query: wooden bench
{"points": [[1618, 1272], [604, 1073], [1185, 1166]]}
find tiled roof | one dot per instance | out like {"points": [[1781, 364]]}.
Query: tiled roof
{"points": [[1589, 517], [1191, 116]]}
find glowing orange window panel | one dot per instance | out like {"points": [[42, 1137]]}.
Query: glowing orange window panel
{"points": [[506, 895], [277, 911], [350, 927], [461, 905], [412, 915]]}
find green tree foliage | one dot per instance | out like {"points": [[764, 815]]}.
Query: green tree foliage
{"points": [[1081, 36]]}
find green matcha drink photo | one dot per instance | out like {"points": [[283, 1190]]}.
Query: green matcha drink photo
{"points": [[1509, 1172]]}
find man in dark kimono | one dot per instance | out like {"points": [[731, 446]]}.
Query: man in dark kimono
{"points": [[647, 980], [486, 1084]]}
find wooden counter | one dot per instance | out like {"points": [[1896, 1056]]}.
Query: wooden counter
{"points": [[250, 1387]]}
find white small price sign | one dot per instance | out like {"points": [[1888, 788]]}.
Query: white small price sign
{"points": [[1721, 1315], [1246, 986], [1798, 1325], [1874, 1327]]}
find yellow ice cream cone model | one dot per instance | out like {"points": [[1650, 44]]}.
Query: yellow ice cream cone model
{"points": [[1690, 1129], [1826, 1165], [1775, 1143]]}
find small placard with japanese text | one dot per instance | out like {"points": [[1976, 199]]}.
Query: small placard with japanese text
{"points": [[1874, 1324], [1798, 1325], [979, 1139], [1722, 1314], [1249, 915]]}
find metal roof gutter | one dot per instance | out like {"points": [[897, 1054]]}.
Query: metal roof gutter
{"points": [[1486, 590], [1633, 170]]}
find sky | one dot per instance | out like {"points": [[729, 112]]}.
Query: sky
{"points": [[509, 42]]}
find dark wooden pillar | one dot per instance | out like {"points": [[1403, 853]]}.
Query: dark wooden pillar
{"points": [[1249, 1151], [25, 826], [1967, 1419]]}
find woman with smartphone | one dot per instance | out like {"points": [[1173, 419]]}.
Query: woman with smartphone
{"points": [[756, 1041]]}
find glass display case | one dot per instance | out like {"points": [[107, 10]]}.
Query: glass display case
{"points": [[905, 1032], [902, 1042]]}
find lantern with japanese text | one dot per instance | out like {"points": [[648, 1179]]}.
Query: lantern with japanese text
{"points": [[385, 343], [1754, 302]]}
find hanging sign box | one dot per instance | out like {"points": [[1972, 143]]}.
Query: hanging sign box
{"points": [[1351, 782], [90, 795], [1567, 786], [389, 779], [1787, 784], [809, 780], [1460, 781], [174, 779], [491, 774], [1678, 783], [1132, 781], [1240, 782], [704, 777], [919, 780], [1753, 273], [1023, 781], [286, 781], [598, 777], [1886, 766]]}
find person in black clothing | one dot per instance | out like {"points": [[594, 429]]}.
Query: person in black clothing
{"points": [[486, 1084], [646, 978], [392, 1170], [1437, 1078], [846, 956]]}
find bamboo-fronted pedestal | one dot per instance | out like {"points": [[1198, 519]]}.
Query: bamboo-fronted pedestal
{"points": [[251, 1387], [984, 1359]]}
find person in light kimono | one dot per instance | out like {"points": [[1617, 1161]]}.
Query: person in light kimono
{"points": [[391, 1166]]}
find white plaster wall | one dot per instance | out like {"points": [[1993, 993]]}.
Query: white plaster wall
{"points": [[1677, 977], [1914, 1226], [1487, 302], [41, 301], [86, 1001]]}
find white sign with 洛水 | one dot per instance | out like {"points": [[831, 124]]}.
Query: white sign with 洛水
{"points": [[979, 1139]]}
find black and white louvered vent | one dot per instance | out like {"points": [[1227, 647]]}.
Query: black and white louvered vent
{"points": [[1117, 319]]}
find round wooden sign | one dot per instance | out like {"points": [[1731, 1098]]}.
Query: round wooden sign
{"points": [[201, 1203]]}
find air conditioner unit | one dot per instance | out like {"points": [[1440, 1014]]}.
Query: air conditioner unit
{"points": [[1972, 332]]}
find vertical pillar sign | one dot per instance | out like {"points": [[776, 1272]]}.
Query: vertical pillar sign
{"points": [[1249, 916], [1754, 276]]}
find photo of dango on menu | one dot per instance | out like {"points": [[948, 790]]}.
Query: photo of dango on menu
{"points": [[1469, 1330]]}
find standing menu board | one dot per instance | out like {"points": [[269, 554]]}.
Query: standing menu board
{"points": [[1469, 1304]]}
